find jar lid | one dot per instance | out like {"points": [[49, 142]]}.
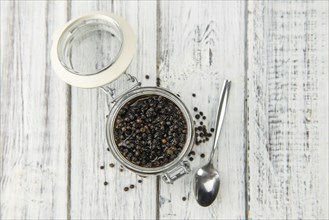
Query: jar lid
{"points": [[93, 49]]}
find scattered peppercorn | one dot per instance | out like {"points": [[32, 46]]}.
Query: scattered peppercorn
{"points": [[202, 155], [184, 198], [105, 183], [193, 95], [195, 109], [201, 133], [147, 77], [212, 130], [111, 165], [191, 158], [132, 186], [102, 167], [140, 181], [108, 149], [191, 153], [126, 189], [158, 81]]}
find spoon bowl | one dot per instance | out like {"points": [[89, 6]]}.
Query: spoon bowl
{"points": [[207, 182]]}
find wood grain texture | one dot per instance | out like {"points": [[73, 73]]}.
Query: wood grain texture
{"points": [[90, 199], [288, 109], [199, 45], [52, 137], [33, 144]]}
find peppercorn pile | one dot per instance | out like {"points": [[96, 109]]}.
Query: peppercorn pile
{"points": [[202, 134], [150, 131]]}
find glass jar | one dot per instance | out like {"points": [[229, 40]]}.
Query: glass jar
{"points": [[94, 50]]}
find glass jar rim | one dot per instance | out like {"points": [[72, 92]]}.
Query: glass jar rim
{"points": [[80, 28], [149, 91], [110, 72]]}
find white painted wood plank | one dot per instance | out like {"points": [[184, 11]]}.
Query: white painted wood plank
{"points": [[288, 109], [201, 44], [90, 199], [33, 144]]}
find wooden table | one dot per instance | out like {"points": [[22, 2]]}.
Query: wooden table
{"points": [[273, 150]]}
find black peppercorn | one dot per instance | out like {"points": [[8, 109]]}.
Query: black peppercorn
{"points": [[150, 131], [126, 189], [158, 81]]}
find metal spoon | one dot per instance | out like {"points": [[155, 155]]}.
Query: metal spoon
{"points": [[206, 179]]}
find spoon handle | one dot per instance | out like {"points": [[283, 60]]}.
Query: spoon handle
{"points": [[220, 114]]}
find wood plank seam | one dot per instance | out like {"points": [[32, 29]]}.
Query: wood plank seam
{"points": [[246, 110], [69, 126], [157, 13]]}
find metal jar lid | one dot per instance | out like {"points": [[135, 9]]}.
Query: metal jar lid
{"points": [[93, 49]]}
